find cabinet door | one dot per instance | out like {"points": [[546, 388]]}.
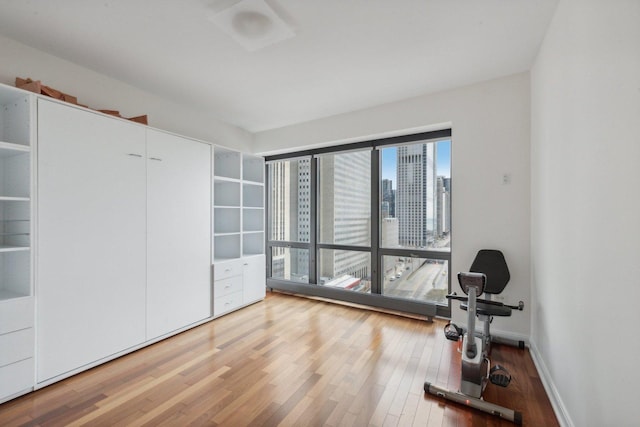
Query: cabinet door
{"points": [[179, 232], [253, 278], [91, 238]]}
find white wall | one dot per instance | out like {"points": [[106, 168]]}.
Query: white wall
{"points": [[101, 92], [490, 124], [586, 211]]}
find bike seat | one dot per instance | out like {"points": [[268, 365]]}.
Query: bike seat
{"points": [[489, 309]]}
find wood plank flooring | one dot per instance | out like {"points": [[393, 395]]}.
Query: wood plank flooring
{"points": [[286, 361]]}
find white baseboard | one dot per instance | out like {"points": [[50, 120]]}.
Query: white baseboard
{"points": [[556, 402]]}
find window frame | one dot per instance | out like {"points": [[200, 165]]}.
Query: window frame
{"points": [[376, 298]]}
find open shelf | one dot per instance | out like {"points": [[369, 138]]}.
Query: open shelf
{"points": [[15, 272], [226, 193], [14, 199], [226, 246], [226, 163], [15, 116], [252, 195], [226, 220], [13, 248], [7, 295], [252, 219], [15, 225], [15, 172], [252, 243], [9, 149], [253, 168]]}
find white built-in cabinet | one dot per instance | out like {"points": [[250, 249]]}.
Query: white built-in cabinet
{"points": [[178, 232], [91, 269], [238, 242], [16, 254], [123, 236], [118, 249]]}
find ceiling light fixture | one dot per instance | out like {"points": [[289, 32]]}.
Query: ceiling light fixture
{"points": [[253, 24]]}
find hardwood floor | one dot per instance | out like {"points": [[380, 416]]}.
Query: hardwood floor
{"points": [[286, 361]]}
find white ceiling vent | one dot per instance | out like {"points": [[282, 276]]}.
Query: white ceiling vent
{"points": [[253, 24]]}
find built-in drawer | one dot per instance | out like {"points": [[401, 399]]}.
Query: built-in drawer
{"points": [[16, 378], [227, 286], [227, 303], [222, 270], [15, 314], [16, 346]]}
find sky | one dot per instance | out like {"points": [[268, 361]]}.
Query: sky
{"points": [[443, 162]]}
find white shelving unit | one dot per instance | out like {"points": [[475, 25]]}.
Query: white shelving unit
{"points": [[238, 224], [227, 205], [16, 229], [15, 193], [252, 205]]}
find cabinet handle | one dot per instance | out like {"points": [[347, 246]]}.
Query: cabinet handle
{"points": [[134, 155], [155, 158]]}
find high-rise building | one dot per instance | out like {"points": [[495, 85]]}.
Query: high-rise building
{"points": [[388, 199], [384, 210], [303, 193], [443, 206], [415, 194], [344, 209], [290, 194], [446, 181], [389, 233]]}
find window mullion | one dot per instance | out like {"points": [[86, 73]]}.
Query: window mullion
{"points": [[313, 223], [376, 285]]}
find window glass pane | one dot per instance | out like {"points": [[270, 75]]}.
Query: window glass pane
{"points": [[344, 204], [349, 270], [415, 278], [290, 264], [415, 199], [290, 200]]}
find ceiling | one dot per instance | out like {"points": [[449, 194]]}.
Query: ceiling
{"points": [[345, 55]]}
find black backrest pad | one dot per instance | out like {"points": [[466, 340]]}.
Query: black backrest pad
{"points": [[491, 262]]}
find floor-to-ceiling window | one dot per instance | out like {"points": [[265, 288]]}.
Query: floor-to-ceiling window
{"points": [[368, 222], [344, 220], [289, 218], [415, 220]]}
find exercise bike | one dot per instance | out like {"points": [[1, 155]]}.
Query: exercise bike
{"points": [[489, 274]]}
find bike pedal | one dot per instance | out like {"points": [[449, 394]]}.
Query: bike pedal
{"points": [[452, 332], [499, 376]]}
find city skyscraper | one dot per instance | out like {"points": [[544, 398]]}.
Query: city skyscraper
{"points": [[443, 206], [289, 198], [388, 199], [416, 189], [345, 213]]}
